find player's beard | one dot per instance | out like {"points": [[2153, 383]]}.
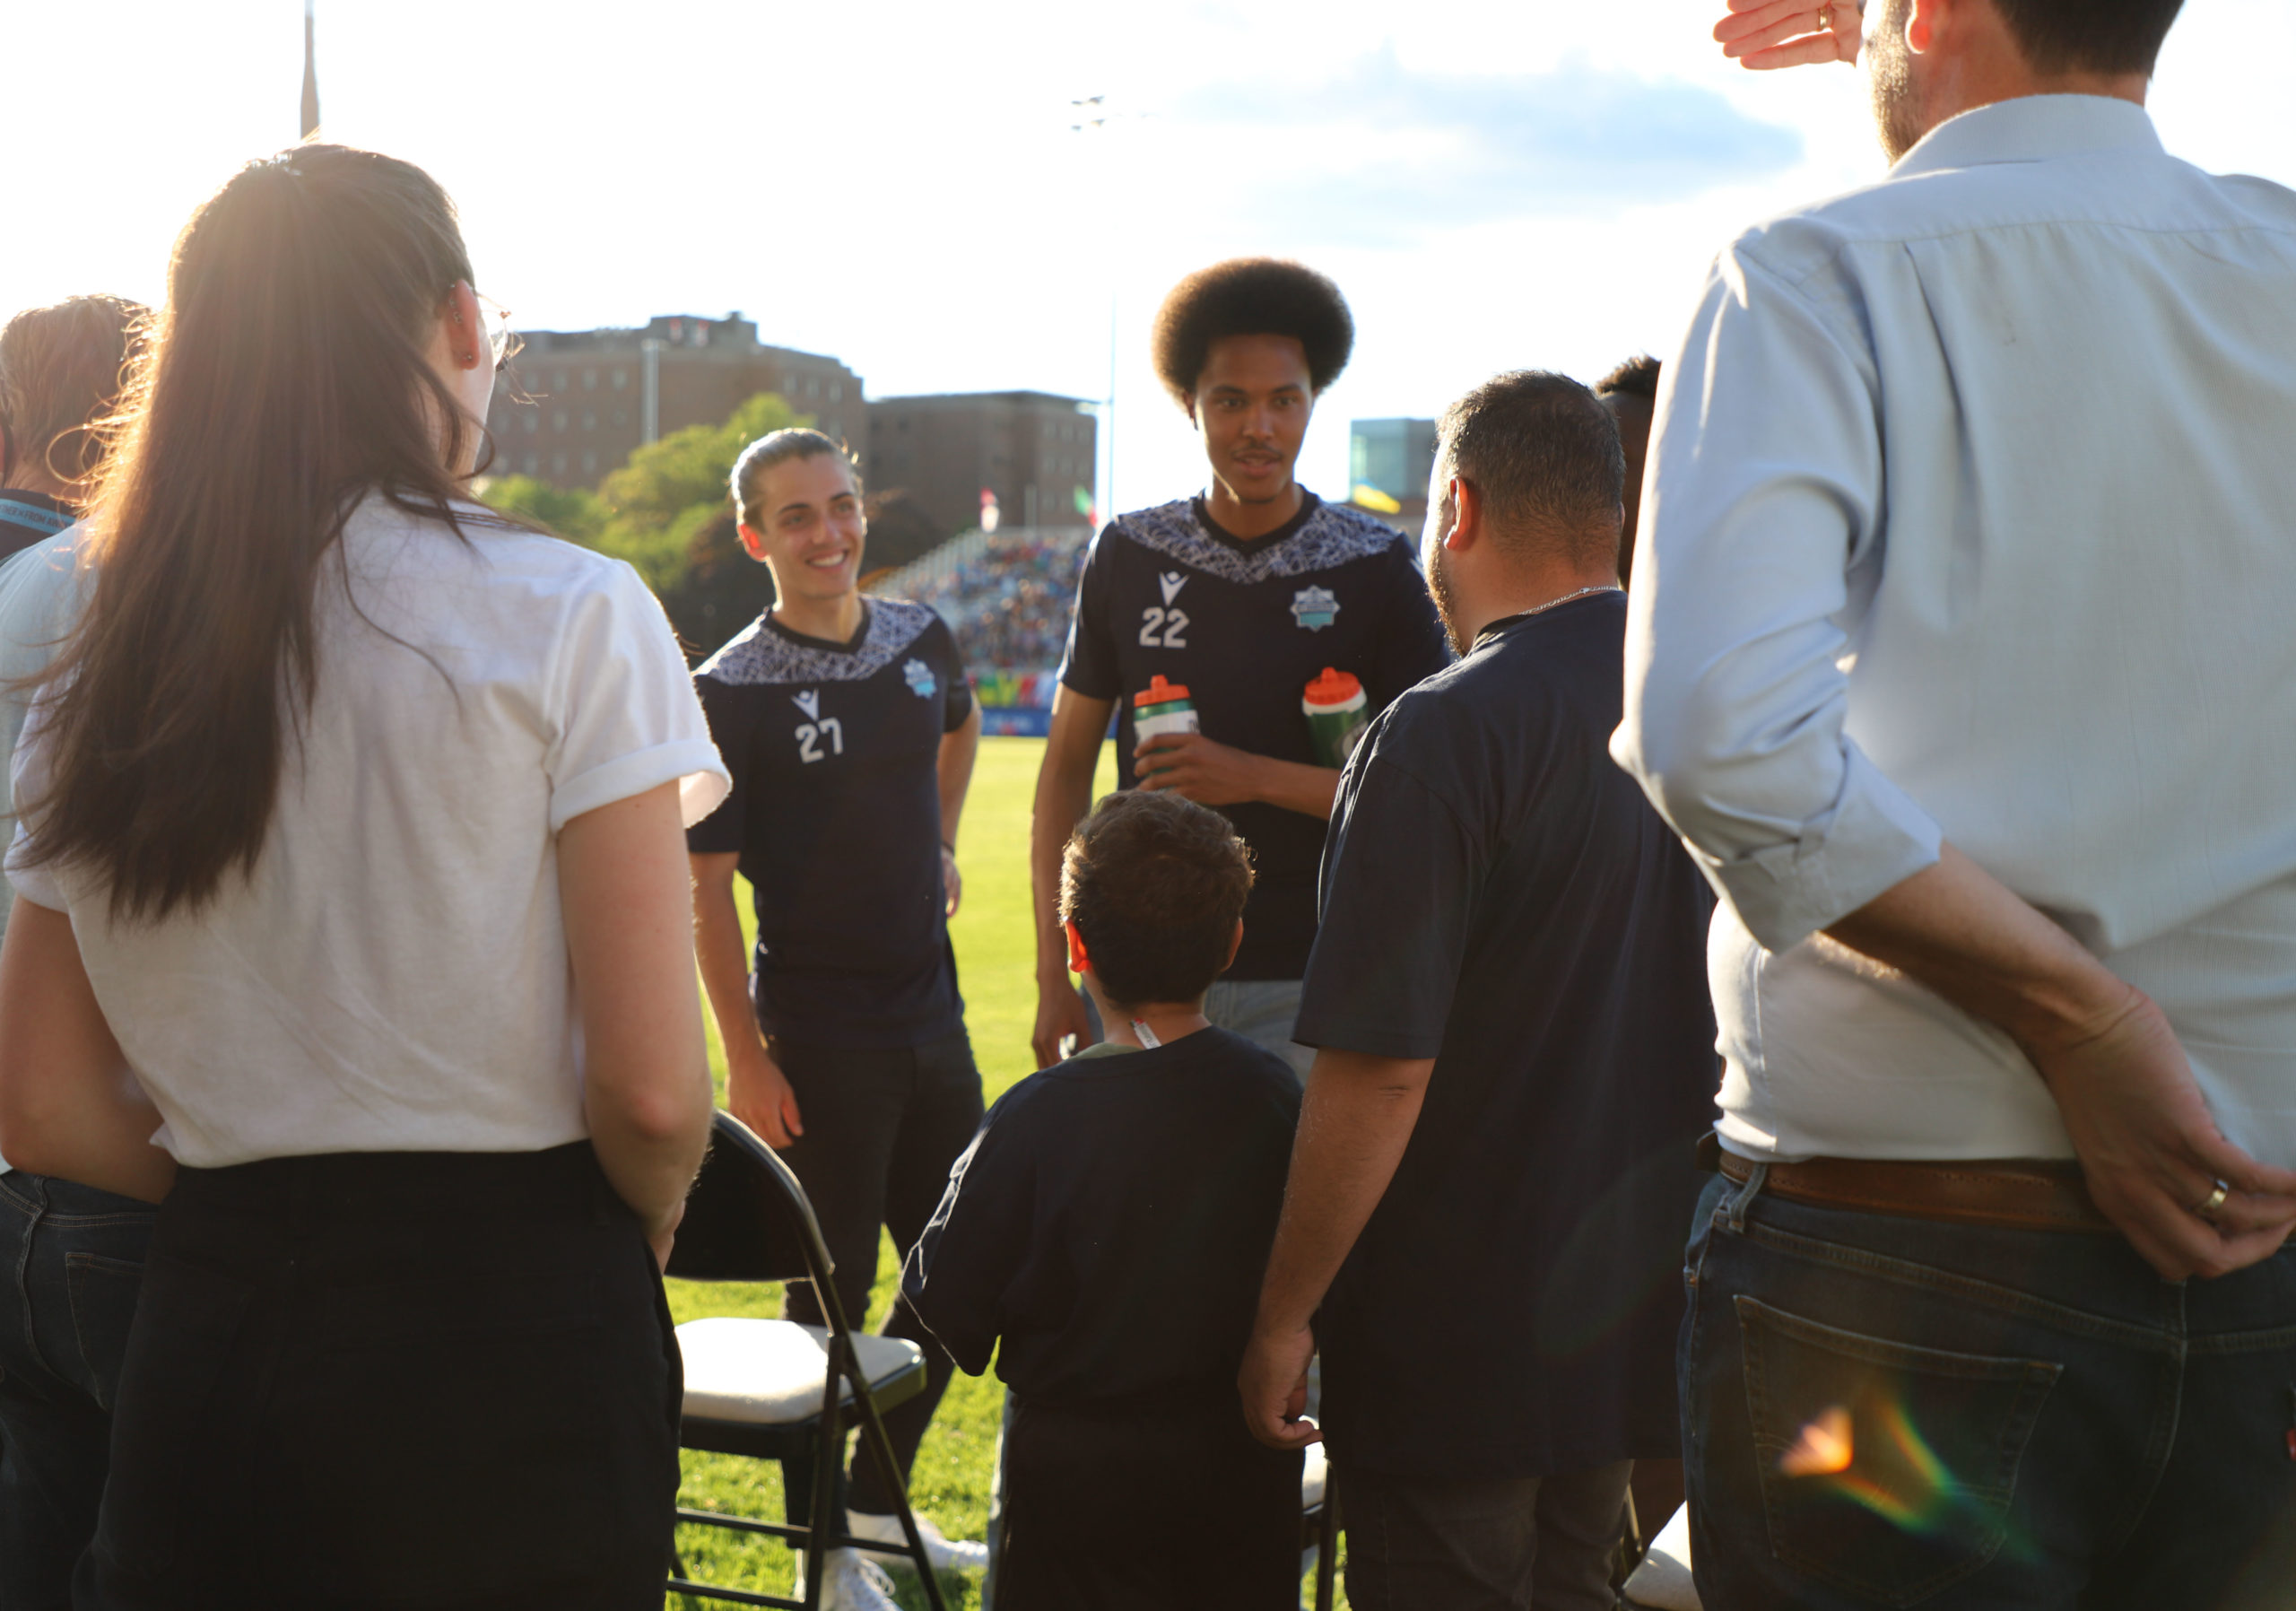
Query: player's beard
{"points": [[1439, 588], [1889, 80]]}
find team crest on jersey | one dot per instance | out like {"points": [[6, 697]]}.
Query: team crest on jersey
{"points": [[1171, 582], [810, 702], [1315, 608], [921, 679]]}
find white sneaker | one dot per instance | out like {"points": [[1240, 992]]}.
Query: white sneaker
{"points": [[850, 1583], [947, 1554]]}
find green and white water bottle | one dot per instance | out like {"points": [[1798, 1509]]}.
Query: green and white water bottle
{"points": [[1161, 708], [1336, 721]]}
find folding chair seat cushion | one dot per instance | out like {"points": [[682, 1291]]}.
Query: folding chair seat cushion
{"points": [[1661, 1582], [769, 1372]]}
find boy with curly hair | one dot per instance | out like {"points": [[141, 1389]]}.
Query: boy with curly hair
{"points": [[1108, 1224]]}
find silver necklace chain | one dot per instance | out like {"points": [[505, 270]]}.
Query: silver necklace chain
{"points": [[1557, 603]]}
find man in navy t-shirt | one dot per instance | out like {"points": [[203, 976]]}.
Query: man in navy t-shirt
{"points": [[1516, 1057], [849, 730], [1242, 596]]}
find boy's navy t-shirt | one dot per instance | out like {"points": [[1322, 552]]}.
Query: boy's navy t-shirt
{"points": [[1500, 896], [1245, 627], [1111, 1220], [834, 750]]}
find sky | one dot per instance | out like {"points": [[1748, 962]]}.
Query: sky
{"points": [[1495, 185]]}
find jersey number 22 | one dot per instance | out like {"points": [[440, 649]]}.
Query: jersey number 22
{"points": [[1161, 628]]}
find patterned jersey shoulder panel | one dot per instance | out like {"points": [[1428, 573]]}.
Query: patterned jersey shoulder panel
{"points": [[759, 655], [1334, 535]]}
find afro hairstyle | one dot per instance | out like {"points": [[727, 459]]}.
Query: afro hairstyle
{"points": [[1251, 296]]}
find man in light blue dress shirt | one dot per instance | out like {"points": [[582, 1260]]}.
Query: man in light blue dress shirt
{"points": [[1960, 655]]}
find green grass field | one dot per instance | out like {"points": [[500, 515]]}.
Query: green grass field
{"points": [[996, 963]]}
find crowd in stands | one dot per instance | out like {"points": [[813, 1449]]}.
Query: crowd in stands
{"points": [[1008, 603]]}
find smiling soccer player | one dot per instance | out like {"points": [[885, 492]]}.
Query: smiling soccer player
{"points": [[1239, 598], [849, 730]]}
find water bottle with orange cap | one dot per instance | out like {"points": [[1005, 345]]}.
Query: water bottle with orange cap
{"points": [[1161, 708], [1336, 720]]}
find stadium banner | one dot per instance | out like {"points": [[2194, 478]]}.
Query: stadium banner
{"points": [[1015, 704]]}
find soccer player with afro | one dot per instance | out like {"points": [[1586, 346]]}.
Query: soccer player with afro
{"points": [[1242, 595]]}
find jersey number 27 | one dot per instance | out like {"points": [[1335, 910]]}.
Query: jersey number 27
{"points": [[810, 734]]}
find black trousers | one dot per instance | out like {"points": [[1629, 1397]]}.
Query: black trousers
{"points": [[393, 1380], [881, 1128], [1146, 1505], [1540, 1543]]}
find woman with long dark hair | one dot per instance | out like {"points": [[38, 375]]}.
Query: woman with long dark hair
{"points": [[353, 928]]}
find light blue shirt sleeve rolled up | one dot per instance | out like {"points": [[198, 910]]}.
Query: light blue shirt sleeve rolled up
{"points": [[1972, 514], [1760, 525]]}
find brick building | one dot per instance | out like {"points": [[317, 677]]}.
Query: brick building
{"points": [[1033, 451], [598, 394]]}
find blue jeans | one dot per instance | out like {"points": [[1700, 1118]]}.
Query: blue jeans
{"points": [[1881, 1411], [74, 1261], [1263, 1011]]}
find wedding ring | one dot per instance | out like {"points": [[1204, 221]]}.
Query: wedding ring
{"points": [[1825, 19], [2214, 1206]]}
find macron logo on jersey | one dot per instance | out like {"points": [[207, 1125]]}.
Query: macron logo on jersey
{"points": [[1171, 582], [810, 702]]}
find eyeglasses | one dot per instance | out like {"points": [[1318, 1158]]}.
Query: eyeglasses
{"points": [[500, 339]]}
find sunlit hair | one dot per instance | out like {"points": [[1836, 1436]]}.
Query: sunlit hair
{"points": [[1637, 376], [1249, 296], [2086, 36], [61, 372], [286, 379], [779, 447], [1154, 884], [1543, 453]]}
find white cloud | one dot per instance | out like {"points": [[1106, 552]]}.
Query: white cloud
{"points": [[1384, 154]]}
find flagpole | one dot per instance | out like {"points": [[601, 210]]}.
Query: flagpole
{"points": [[310, 74]]}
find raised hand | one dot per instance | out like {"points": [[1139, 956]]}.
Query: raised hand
{"points": [[1765, 35]]}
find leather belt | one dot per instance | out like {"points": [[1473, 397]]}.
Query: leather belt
{"points": [[2018, 1194]]}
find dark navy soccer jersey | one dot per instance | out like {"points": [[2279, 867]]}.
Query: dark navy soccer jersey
{"points": [[834, 750], [1246, 627]]}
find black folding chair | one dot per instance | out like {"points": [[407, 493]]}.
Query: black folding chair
{"points": [[774, 1389], [1320, 1521]]}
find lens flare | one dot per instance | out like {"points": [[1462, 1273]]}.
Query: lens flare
{"points": [[1874, 1457], [1824, 1448]]}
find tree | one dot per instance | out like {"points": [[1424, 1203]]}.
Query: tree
{"points": [[668, 512], [573, 513]]}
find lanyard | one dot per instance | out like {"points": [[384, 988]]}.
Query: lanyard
{"points": [[36, 516]]}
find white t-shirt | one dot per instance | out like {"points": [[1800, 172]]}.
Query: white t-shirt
{"points": [[393, 977]]}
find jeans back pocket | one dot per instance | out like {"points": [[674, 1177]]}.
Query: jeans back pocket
{"points": [[1887, 1471]]}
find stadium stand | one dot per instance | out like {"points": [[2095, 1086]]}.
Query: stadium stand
{"points": [[1006, 595]]}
